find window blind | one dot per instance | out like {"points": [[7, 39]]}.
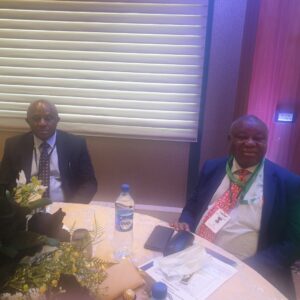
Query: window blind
{"points": [[127, 68]]}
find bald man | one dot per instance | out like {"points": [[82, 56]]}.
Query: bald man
{"points": [[248, 205], [72, 176]]}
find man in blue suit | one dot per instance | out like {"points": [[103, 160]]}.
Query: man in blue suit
{"points": [[71, 174], [257, 218]]}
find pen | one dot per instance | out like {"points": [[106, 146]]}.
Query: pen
{"points": [[209, 251], [221, 257], [147, 266]]}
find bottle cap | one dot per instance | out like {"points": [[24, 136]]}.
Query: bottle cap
{"points": [[125, 188], [159, 290]]}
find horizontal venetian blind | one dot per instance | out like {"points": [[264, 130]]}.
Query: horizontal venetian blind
{"points": [[115, 68]]}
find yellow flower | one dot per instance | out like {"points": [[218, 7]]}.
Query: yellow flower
{"points": [[54, 282], [43, 289], [34, 197], [25, 288], [74, 269], [28, 192], [75, 254], [58, 254]]}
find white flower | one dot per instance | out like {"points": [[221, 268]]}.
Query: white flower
{"points": [[7, 296], [33, 294], [22, 178]]}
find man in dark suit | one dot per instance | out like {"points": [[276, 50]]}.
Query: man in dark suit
{"points": [[71, 176], [261, 225]]}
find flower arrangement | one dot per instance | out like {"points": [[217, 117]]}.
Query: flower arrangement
{"points": [[45, 274], [30, 194], [37, 258]]}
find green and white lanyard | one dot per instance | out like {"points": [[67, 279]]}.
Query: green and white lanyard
{"points": [[245, 186]]}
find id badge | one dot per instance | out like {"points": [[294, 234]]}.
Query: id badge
{"points": [[217, 220]]}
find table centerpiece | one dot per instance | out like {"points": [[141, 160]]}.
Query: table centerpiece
{"points": [[37, 259]]}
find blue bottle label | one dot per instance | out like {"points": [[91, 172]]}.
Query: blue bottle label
{"points": [[124, 219]]}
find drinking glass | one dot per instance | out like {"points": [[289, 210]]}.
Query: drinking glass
{"points": [[81, 239]]}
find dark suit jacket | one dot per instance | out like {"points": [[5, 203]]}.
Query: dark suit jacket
{"points": [[77, 175], [279, 236]]}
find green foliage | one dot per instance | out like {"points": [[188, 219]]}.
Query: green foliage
{"points": [[15, 241], [43, 272], [24, 265]]}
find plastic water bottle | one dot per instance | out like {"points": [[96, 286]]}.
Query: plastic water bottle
{"points": [[159, 291], [123, 235]]}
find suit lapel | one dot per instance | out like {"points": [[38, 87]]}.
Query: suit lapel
{"points": [[27, 152], [214, 176], [62, 154]]}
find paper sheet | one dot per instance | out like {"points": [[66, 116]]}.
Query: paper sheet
{"points": [[200, 285]]}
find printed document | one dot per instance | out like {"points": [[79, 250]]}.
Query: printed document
{"points": [[198, 285]]}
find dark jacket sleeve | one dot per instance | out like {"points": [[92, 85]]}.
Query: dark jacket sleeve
{"points": [[279, 247], [190, 212], [8, 167], [281, 241], [87, 183], [210, 177], [78, 178]]}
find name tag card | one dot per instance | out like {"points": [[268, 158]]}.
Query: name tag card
{"points": [[217, 220]]}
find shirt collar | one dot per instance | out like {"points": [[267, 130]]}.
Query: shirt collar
{"points": [[235, 167], [51, 141]]}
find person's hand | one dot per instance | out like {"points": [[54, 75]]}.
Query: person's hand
{"points": [[180, 226]]}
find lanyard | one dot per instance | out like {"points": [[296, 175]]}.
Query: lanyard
{"points": [[245, 186]]}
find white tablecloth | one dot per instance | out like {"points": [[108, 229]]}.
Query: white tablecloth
{"points": [[246, 284]]}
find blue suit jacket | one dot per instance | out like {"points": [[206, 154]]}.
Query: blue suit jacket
{"points": [[279, 236], [77, 175]]}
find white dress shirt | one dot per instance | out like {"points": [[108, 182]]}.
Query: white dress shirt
{"points": [[240, 235], [55, 192]]}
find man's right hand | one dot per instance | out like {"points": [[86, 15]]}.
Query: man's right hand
{"points": [[180, 226]]}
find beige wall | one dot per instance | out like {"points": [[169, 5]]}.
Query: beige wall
{"points": [[156, 171]]}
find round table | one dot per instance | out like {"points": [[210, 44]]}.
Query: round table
{"points": [[245, 284]]}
